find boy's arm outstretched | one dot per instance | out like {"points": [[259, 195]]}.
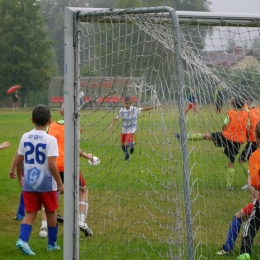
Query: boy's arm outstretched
{"points": [[113, 122], [148, 108], [86, 155]]}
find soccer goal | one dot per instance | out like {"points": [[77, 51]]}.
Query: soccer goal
{"points": [[168, 199]]}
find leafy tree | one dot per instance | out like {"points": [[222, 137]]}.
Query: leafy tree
{"points": [[249, 79], [26, 57], [53, 13], [121, 62], [101, 3]]}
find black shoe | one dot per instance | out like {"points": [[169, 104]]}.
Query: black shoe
{"points": [[177, 135], [127, 156], [60, 219], [85, 229], [132, 149]]}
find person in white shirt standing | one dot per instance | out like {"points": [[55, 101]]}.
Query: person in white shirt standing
{"points": [[129, 115], [81, 97], [37, 154]]}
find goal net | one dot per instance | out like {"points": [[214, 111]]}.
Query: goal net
{"points": [[174, 196]]}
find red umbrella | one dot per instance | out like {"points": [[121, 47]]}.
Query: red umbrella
{"points": [[12, 89]]}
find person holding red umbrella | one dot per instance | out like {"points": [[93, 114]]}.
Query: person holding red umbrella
{"points": [[13, 91], [15, 100]]}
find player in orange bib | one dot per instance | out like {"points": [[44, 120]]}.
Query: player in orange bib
{"points": [[233, 134], [253, 223], [56, 129], [251, 146]]}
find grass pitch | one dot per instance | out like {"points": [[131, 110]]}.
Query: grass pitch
{"points": [[137, 208]]}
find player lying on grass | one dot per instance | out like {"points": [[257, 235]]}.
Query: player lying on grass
{"points": [[252, 225], [232, 136], [240, 217], [234, 229], [37, 154], [129, 115]]}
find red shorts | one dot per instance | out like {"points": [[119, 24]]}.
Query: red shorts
{"points": [[129, 138], [248, 209], [33, 201], [82, 182], [190, 106]]}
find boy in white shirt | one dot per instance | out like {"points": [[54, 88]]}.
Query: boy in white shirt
{"points": [[129, 115], [37, 154]]}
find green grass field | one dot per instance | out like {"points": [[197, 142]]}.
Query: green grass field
{"points": [[137, 207]]}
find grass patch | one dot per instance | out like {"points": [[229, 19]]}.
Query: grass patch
{"points": [[136, 208]]}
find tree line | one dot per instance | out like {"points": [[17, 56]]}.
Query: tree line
{"points": [[32, 39]]}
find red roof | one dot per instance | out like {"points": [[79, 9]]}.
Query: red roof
{"points": [[226, 58]]}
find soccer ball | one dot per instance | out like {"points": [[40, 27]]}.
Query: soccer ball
{"points": [[95, 161]]}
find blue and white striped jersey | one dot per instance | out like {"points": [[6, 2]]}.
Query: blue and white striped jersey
{"points": [[129, 117]]}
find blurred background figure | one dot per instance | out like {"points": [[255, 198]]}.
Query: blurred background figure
{"points": [[15, 100], [218, 98]]}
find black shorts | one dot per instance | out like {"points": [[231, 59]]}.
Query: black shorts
{"points": [[231, 149], [82, 182], [248, 150], [219, 104]]}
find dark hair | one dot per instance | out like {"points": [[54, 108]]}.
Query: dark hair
{"points": [[238, 102], [127, 98], [41, 114], [248, 99]]}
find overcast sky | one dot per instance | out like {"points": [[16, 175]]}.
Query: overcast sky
{"points": [[235, 6], [232, 6]]}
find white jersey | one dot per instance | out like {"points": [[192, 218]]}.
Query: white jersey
{"points": [[36, 146], [129, 117]]}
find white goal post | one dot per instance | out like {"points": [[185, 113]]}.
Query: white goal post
{"points": [[169, 199]]}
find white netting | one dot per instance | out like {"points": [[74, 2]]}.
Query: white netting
{"points": [[137, 206]]}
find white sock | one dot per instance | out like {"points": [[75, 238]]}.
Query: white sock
{"points": [[44, 223], [83, 215]]}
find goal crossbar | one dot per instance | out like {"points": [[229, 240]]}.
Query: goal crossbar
{"points": [[198, 18]]}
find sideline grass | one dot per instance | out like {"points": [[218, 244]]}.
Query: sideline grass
{"points": [[13, 125]]}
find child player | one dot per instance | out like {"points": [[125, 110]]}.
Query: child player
{"points": [[129, 115], [37, 154], [57, 129], [234, 229], [251, 146], [192, 102], [232, 136], [240, 217], [253, 223]]}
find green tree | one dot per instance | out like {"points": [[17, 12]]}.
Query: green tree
{"points": [[53, 13], [26, 57], [122, 63]]}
